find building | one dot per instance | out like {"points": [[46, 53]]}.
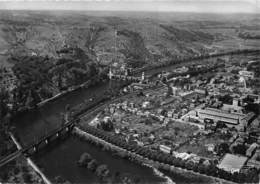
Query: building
{"points": [[250, 151], [183, 156], [175, 91], [235, 107], [227, 117], [165, 149], [247, 74], [140, 86], [145, 104], [200, 91], [253, 163], [232, 163]]}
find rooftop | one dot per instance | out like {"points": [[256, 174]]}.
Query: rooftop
{"points": [[232, 163], [222, 113]]}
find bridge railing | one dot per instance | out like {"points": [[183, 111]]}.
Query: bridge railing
{"points": [[50, 134]]}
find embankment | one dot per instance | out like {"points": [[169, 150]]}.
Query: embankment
{"points": [[135, 157]]}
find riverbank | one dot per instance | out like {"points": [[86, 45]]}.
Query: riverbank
{"points": [[70, 89], [22, 170], [86, 84], [139, 159], [186, 60], [119, 152], [37, 171]]}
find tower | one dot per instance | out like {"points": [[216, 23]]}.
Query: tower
{"points": [[110, 74], [169, 90], [243, 80], [142, 78], [235, 102]]}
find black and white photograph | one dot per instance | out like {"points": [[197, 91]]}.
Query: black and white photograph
{"points": [[129, 91]]}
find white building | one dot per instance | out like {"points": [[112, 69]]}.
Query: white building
{"points": [[224, 116], [247, 74], [165, 149]]}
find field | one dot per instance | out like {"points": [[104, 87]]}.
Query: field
{"points": [[176, 134], [200, 144]]}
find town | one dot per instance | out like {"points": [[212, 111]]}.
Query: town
{"points": [[134, 96], [203, 119]]}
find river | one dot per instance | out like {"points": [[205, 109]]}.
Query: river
{"points": [[59, 159]]}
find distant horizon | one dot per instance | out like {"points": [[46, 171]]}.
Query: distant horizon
{"points": [[128, 11], [176, 6]]}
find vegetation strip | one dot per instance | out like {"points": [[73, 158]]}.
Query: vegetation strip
{"points": [[143, 155]]}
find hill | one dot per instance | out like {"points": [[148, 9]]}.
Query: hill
{"points": [[125, 37]]}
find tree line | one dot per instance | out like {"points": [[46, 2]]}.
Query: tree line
{"points": [[195, 58], [209, 169]]}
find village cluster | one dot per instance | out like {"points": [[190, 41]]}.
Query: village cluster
{"points": [[210, 117]]}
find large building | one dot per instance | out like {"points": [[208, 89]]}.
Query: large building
{"points": [[224, 116], [232, 163]]}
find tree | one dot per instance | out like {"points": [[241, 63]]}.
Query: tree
{"points": [[3, 103], [222, 148], [241, 177], [252, 176], [201, 168], [32, 74], [221, 125], [239, 149], [92, 165], [189, 165], [27, 177], [211, 170], [102, 171], [85, 158], [107, 126]]}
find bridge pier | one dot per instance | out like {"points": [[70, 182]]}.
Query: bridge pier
{"points": [[46, 141]]}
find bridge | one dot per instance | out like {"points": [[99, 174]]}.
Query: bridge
{"points": [[40, 142], [125, 77]]}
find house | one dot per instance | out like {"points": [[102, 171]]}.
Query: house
{"points": [[131, 104], [161, 118], [195, 159], [169, 114], [139, 113], [112, 110], [247, 74], [200, 91], [94, 122], [250, 151], [210, 147], [147, 113], [165, 149], [253, 163], [145, 104]]}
